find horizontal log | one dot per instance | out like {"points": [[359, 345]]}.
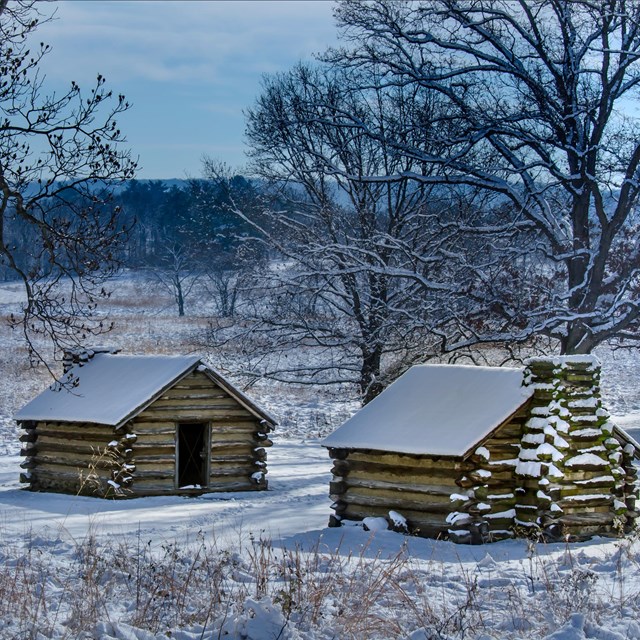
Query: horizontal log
{"points": [[193, 403], [194, 393], [433, 474], [502, 450], [223, 470], [511, 431], [222, 434], [501, 474], [55, 444], [237, 483], [603, 487], [195, 379], [249, 449], [579, 474], [162, 411], [73, 448], [161, 473], [168, 439], [587, 519], [155, 461], [144, 450], [76, 429], [237, 426], [156, 438], [502, 469], [166, 484], [65, 476], [155, 489], [184, 415], [191, 383], [416, 475], [576, 503], [75, 461], [102, 438], [393, 493], [397, 502], [401, 484], [57, 486], [416, 519], [80, 472], [219, 458], [405, 460], [157, 427], [499, 506], [228, 441]]}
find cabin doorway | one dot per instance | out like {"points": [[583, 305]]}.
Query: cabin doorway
{"points": [[192, 455]]}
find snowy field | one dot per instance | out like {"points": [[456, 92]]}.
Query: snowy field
{"points": [[264, 565]]}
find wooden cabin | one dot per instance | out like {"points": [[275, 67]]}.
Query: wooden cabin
{"points": [[132, 425], [477, 454]]}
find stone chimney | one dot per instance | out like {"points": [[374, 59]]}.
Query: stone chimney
{"points": [[81, 355], [569, 476]]}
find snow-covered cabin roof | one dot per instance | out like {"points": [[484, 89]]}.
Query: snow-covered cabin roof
{"points": [[440, 410], [111, 389]]}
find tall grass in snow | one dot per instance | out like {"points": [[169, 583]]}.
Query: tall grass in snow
{"points": [[58, 588]]}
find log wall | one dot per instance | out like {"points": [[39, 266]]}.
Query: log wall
{"points": [[372, 483], [69, 458], [467, 500]]}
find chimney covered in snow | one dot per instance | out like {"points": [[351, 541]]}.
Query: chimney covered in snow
{"points": [[81, 355], [569, 469]]}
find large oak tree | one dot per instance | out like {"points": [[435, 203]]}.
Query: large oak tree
{"points": [[540, 112]]}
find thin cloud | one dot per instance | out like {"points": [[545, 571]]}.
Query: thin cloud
{"points": [[189, 68]]}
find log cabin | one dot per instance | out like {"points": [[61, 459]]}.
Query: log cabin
{"points": [[477, 454], [142, 425]]}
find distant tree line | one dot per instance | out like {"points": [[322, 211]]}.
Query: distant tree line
{"points": [[190, 216], [189, 237]]}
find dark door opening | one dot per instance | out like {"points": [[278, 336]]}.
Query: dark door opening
{"points": [[192, 455]]}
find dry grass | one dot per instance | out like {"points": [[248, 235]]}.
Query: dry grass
{"points": [[57, 589]]}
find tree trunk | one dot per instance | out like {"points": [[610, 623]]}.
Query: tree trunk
{"points": [[179, 297], [370, 384], [577, 341]]}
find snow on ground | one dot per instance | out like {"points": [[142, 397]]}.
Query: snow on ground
{"points": [[296, 502], [264, 565]]}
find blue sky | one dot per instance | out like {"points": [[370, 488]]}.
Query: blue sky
{"points": [[189, 68]]}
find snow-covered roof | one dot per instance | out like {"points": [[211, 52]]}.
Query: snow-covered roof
{"points": [[442, 410], [110, 389]]}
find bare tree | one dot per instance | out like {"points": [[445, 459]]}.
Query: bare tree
{"points": [[535, 94], [360, 266], [60, 155], [178, 272]]}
